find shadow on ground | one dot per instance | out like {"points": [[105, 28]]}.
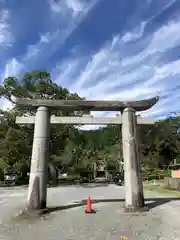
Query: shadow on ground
{"points": [[94, 185], [150, 203], [63, 184]]}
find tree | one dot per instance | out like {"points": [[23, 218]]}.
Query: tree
{"points": [[18, 141], [73, 150]]}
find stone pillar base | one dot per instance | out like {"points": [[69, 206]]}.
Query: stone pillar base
{"points": [[33, 213], [132, 209]]}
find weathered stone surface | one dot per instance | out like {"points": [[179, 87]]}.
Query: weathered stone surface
{"points": [[88, 105], [131, 209], [34, 200], [87, 120], [40, 153], [133, 183]]}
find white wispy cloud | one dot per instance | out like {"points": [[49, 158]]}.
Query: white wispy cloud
{"points": [[113, 72], [34, 51], [108, 68], [6, 38], [66, 70], [68, 7], [51, 41], [12, 68], [135, 34], [71, 13], [139, 30], [109, 75]]}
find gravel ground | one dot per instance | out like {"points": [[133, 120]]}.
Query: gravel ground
{"points": [[160, 223]]}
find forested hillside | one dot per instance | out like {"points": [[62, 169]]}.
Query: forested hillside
{"points": [[73, 150]]}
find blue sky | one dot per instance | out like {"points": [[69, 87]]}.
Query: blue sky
{"points": [[101, 49]]}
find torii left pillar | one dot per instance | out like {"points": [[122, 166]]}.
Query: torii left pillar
{"points": [[40, 153], [134, 196]]}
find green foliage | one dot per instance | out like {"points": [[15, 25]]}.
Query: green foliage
{"points": [[72, 150]]}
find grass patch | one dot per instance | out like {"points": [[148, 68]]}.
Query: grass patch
{"points": [[160, 188]]}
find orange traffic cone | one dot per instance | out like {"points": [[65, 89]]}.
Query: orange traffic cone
{"points": [[89, 208]]}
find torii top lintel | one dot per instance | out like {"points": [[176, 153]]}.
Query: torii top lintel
{"points": [[78, 105]]}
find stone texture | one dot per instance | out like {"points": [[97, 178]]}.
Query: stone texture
{"points": [[87, 120], [40, 152], [133, 183], [88, 105]]}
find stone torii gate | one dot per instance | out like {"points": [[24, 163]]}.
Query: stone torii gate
{"points": [[37, 193]]}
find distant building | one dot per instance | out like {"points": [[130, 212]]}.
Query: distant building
{"points": [[175, 170], [173, 182]]}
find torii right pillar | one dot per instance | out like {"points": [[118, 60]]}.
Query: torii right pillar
{"points": [[134, 196]]}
